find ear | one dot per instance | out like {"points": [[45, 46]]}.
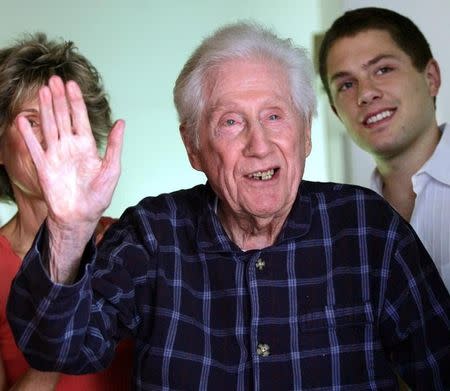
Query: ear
{"points": [[307, 135], [192, 150], [433, 76]]}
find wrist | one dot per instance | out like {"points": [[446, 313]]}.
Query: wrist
{"points": [[66, 246]]}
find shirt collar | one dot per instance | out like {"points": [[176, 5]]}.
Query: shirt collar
{"points": [[212, 238], [376, 183]]}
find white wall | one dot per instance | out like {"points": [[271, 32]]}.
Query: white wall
{"points": [[432, 17], [139, 46]]}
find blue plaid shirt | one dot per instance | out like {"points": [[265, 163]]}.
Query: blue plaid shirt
{"points": [[346, 297]]}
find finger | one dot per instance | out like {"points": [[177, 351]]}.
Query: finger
{"points": [[48, 124], [33, 144], [113, 151], [60, 106], [80, 118]]}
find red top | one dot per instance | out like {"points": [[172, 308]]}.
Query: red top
{"points": [[117, 377]]}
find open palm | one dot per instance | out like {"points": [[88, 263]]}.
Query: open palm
{"points": [[76, 183]]}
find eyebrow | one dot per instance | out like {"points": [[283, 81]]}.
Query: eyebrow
{"points": [[379, 58], [212, 110], [34, 111], [369, 63]]}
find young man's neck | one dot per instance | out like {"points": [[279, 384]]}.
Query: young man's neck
{"points": [[396, 173]]}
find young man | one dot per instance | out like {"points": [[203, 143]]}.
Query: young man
{"points": [[382, 82]]}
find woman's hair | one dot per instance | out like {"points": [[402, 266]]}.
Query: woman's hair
{"points": [[241, 41], [27, 65]]}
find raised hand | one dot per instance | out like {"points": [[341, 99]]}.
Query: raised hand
{"points": [[77, 184]]}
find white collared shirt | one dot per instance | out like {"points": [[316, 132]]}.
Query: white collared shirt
{"points": [[431, 215]]}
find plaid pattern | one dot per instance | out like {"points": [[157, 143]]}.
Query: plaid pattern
{"points": [[346, 294]]}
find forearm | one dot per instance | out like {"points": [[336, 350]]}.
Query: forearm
{"points": [[63, 311], [36, 380], [62, 327]]}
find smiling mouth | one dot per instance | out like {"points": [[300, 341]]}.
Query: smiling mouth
{"points": [[262, 175], [379, 117]]}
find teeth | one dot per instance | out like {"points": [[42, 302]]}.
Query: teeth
{"points": [[379, 116], [262, 175]]}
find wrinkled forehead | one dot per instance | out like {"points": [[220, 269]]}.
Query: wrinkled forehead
{"points": [[240, 75]]}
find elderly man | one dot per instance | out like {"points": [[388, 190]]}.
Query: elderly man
{"points": [[256, 280]]}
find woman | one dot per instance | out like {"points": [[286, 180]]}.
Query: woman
{"points": [[24, 67]]}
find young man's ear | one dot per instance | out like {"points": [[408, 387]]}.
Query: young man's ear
{"points": [[192, 150], [433, 76]]}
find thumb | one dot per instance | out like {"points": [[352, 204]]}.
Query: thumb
{"points": [[114, 146]]}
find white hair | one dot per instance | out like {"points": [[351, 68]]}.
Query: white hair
{"points": [[241, 40]]}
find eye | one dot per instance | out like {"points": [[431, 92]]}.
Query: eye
{"points": [[33, 123], [274, 117], [230, 122], [383, 70], [345, 86]]}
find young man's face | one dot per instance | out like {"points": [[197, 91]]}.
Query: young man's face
{"points": [[385, 103]]}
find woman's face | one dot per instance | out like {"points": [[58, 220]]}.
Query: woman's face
{"points": [[14, 155]]}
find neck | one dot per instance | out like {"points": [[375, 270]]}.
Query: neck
{"points": [[396, 172], [252, 232], [411, 159], [22, 228], [399, 192]]}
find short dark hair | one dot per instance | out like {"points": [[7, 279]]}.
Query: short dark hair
{"points": [[402, 30], [27, 65]]}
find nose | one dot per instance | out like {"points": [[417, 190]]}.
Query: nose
{"points": [[368, 92], [257, 140]]}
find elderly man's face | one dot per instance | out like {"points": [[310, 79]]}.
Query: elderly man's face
{"points": [[253, 142]]}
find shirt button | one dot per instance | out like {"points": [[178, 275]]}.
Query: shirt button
{"points": [[260, 264], [263, 350]]}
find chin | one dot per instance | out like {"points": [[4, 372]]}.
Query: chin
{"points": [[268, 211]]}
